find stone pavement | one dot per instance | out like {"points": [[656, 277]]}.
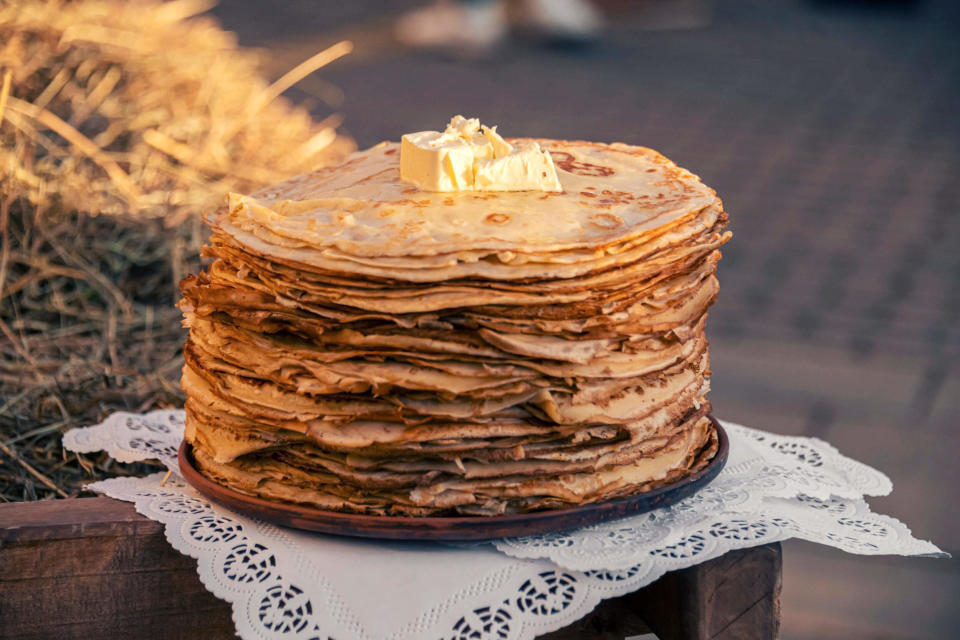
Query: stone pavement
{"points": [[831, 131]]}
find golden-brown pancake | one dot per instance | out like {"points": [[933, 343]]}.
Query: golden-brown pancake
{"points": [[359, 345]]}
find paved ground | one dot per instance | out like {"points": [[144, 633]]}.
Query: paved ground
{"points": [[831, 131]]}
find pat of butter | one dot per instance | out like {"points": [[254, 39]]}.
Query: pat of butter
{"points": [[467, 156]]}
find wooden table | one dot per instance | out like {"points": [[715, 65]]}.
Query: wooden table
{"points": [[95, 568]]}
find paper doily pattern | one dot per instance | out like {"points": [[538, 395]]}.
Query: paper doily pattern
{"points": [[288, 584]]}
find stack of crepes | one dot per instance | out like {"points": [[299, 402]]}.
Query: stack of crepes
{"points": [[361, 345]]}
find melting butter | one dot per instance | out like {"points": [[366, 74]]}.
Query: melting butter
{"points": [[468, 156]]}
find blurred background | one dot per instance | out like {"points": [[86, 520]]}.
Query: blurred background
{"points": [[829, 128]]}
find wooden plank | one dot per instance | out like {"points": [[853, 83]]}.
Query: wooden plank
{"points": [[734, 596], [94, 567], [58, 519], [739, 594]]}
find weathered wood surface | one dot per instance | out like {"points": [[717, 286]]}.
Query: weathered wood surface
{"points": [[734, 596], [94, 568]]}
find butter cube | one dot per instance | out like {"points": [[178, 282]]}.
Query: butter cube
{"points": [[527, 168], [467, 156]]}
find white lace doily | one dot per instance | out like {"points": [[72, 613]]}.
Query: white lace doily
{"points": [[290, 584]]}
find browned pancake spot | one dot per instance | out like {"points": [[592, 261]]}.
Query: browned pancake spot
{"points": [[606, 221], [568, 163], [497, 218], [374, 175]]}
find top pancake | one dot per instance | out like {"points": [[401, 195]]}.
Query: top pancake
{"points": [[612, 194]]}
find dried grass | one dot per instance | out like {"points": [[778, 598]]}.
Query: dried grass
{"points": [[120, 123]]}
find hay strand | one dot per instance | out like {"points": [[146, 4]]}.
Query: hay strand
{"points": [[305, 68], [5, 93]]}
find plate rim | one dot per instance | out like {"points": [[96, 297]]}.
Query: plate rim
{"points": [[451, 527]]}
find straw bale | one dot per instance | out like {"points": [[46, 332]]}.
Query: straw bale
{"points": [[120, 123]]}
